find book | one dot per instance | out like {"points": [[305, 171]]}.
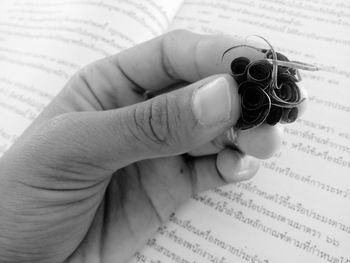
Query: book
{"points": [[297, 208]]}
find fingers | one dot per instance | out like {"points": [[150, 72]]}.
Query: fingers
{"points": [[261, 142], [178, 55], [186, 175], [227, 167], [118, 81], [234, 167]]}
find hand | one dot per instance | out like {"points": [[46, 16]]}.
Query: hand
{"points": [[102, 168]]}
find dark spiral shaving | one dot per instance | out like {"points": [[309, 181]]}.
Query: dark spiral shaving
{"points": [[263, 100]]}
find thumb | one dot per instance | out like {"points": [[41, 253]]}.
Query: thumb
{"points": [[169, 124], [176, 122]]}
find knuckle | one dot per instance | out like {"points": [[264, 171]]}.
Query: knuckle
{"points": [[172, 45], [78, 76], [158, 119], [159, 122], [170, 41]]}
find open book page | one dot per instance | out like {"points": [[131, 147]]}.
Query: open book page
{"points": [[297, 209], [42, 43]]}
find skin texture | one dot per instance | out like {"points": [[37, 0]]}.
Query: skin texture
{"points": [[100, 169]]}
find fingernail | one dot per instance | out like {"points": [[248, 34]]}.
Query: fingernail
{"points": [[249, 166], [212, 102]]}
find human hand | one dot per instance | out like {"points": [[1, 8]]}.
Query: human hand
{"points": [[101, 168]]}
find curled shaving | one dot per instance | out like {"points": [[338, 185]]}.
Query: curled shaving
{"points": [[280, 90]]}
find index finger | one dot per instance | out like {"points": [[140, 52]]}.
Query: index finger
{"points": [[119, 80], [179, 56]]}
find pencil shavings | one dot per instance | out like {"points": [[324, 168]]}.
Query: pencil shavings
{"points": [[268, 88]]}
